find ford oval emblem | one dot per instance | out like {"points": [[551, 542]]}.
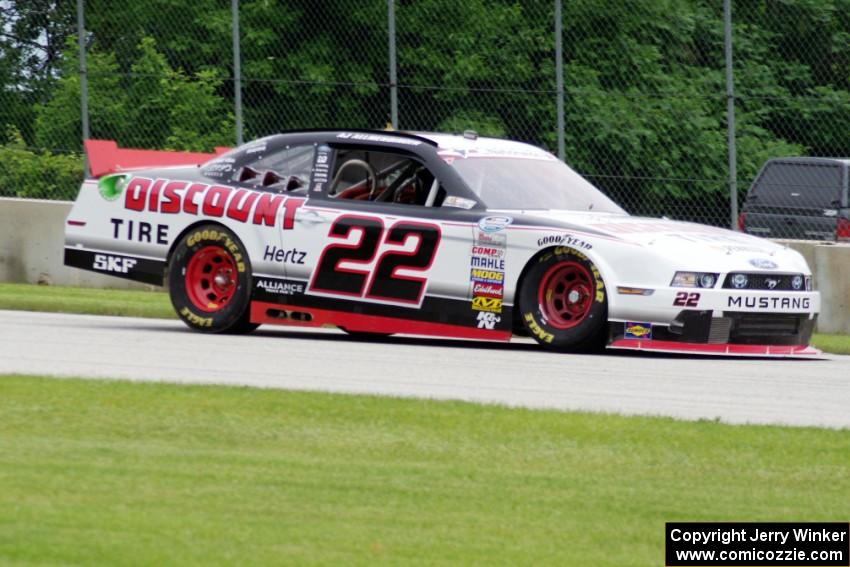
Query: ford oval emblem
{"points": [[494, 224], [763, 264]]}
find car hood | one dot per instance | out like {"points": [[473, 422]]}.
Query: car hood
{"points": [[706, 245]]}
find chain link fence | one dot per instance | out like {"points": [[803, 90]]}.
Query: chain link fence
{"points": [[644, 89]]}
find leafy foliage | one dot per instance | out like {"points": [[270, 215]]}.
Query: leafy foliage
{"points": [[645, 92], [36, 174]]}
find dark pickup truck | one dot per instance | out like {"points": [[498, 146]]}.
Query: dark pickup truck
{"points": [[799, 197]]}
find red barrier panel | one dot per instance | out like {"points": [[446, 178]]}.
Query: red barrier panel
{"points": [[106, 157]]}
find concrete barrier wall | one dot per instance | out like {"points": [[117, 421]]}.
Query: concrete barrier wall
{"points": [[32, 240]]}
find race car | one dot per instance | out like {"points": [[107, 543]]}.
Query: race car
{"points": [[387, 232]]}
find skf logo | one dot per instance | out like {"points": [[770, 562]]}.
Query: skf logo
{"points": [[107, 263], [492, 304], [638, 331]]}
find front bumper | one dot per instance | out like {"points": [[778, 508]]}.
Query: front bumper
{"points": [[730, 333]]}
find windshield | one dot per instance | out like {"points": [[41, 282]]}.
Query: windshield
{"points": [[521, 183]]}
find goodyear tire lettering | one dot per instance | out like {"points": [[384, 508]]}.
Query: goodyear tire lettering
{"points": [[536, 330]]}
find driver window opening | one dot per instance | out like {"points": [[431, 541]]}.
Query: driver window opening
{"points": [[384, 177]]}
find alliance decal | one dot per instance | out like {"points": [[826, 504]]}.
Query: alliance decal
{"points": [[280, 287]]}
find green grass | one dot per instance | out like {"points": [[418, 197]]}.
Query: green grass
{"points": [[60, 299], [99, 472], [27, 297]]}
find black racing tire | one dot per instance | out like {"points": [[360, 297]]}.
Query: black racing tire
{"points": [[563, 302], [209, 281]]}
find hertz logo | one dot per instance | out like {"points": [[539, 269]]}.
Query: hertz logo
{"points": [[491, 304]]}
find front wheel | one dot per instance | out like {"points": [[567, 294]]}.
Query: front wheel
{"points": [[209, 281], [563, 302]]}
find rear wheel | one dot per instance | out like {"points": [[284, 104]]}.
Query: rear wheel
{"points": [[563, 302], [209, 281]]}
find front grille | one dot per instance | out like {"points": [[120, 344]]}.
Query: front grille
{"points": [[765, 325], [769, 328], [781, 282]]}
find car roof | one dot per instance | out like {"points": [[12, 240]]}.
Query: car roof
{"points": [[805, 159], [468, 144], [471, 143]]}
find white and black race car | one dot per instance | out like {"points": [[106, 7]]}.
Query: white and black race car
{"points": [[433, 234]]}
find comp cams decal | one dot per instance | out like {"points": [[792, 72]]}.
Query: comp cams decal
{"points": [[487, 271], [242, 205]]}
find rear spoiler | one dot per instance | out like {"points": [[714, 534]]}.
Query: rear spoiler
{"points": [[106, 157]]}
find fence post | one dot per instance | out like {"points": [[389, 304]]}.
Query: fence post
{"points": [[730, 115], [559, 79], [237, 70], [392, 55], [84, 81]]}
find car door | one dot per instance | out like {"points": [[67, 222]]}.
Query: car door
{"points": [[378, 246]]}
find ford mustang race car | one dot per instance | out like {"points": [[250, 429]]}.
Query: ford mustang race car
{"points": [[432, 234]]}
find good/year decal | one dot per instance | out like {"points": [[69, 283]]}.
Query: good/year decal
{"points": [[351, 270]]}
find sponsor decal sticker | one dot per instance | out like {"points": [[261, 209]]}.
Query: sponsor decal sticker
{"points": [[491, 239], [291, 256], [488, 320], [494, 223], [638, 330], [109, 263], [111, 186], [378, 138], [280, 287], [486, 276], [458, 202], [763, 263], [322, 168], [488, 290], [491, 304], [487, 262], [139, 231], [241, 205]]}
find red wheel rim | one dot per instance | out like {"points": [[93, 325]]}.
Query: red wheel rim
{"points": [[565, 295], [211, 279]]}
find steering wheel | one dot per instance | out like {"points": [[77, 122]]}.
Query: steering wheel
{"points": [[370, 175]]}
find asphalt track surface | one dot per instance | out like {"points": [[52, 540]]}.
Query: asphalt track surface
{"points": [[763, 391]]}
